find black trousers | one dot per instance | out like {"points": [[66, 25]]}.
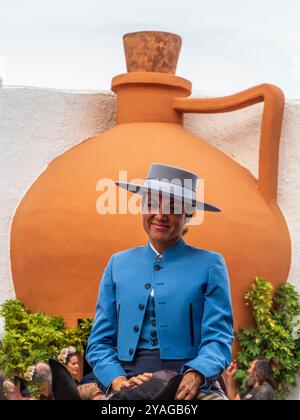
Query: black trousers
{"points": [[149, 361]]}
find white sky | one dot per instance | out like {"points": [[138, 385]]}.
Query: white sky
{"points": [[228, 45]]}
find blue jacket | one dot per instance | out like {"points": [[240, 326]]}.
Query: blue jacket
{"points": [[193, 310]]}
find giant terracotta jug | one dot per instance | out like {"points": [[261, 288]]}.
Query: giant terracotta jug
{"points": [[60, 244]]}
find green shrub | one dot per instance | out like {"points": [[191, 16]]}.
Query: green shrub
{"points": [[35, 337], [273, 336]]}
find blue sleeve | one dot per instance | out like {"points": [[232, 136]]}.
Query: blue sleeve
{"points": [[214, 353], [101, 351]]}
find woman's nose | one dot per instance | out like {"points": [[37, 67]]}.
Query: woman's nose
{"points": [[161, 213]]}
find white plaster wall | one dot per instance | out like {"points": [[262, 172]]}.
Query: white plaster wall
{"points": [[37, 125]]}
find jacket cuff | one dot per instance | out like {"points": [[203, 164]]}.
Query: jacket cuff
{"points": [[205, 383], [208, 380]]}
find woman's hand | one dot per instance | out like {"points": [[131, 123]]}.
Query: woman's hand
{"points": [[118, 383], [189, 386], [137, 380], [121, 382]]}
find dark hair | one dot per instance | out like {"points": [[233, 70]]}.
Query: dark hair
{"points": [[263, 371], [185, 230], [66, 353]]}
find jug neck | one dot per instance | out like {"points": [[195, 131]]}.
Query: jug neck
{"points": [[148, 97]]}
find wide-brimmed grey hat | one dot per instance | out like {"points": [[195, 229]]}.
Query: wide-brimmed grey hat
{"points": [[170, 181]]}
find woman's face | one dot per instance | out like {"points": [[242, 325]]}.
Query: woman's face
{"points": [[73, 365], [163, 218]]}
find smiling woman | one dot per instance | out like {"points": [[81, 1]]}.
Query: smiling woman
{"points": [[70, 359], [164, 220], [135, 332], [57, 237]]}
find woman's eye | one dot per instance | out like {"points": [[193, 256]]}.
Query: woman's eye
{"points": [[150, 206], [175, 208]]}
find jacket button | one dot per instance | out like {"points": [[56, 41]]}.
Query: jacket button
{"points": [[154, 342], [157, 267], [131, 351], [136, 328], [153, 323], [141, 306], [148, 286], [153, 334]]}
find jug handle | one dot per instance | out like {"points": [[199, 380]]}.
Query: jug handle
{"points": [[274, 101]]}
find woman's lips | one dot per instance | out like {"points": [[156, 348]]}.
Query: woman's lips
{"points": [[160, 227]]}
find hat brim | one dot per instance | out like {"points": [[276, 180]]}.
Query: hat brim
{"points": [[141, 189]]}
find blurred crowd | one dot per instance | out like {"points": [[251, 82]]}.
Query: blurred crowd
{"points": [[53, 380], [60, 380]]}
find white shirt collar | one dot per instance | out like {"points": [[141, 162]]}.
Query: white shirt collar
{"points": [[156, 252]]}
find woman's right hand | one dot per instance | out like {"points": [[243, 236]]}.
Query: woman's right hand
{"points": [[118, 383], [121, 382], [137, 380]]}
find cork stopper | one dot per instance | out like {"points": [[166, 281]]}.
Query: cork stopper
{"points": [[152, 51]]}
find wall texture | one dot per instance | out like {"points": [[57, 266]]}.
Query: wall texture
{"points": [[37, 125]]}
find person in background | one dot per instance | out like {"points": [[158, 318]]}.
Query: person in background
{"points": [[11, 391], [40, 375], [90, 391], [259, 384], [69, 358]]}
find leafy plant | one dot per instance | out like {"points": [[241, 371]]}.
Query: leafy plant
{"points": [[274, 335], [35, 337]]}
